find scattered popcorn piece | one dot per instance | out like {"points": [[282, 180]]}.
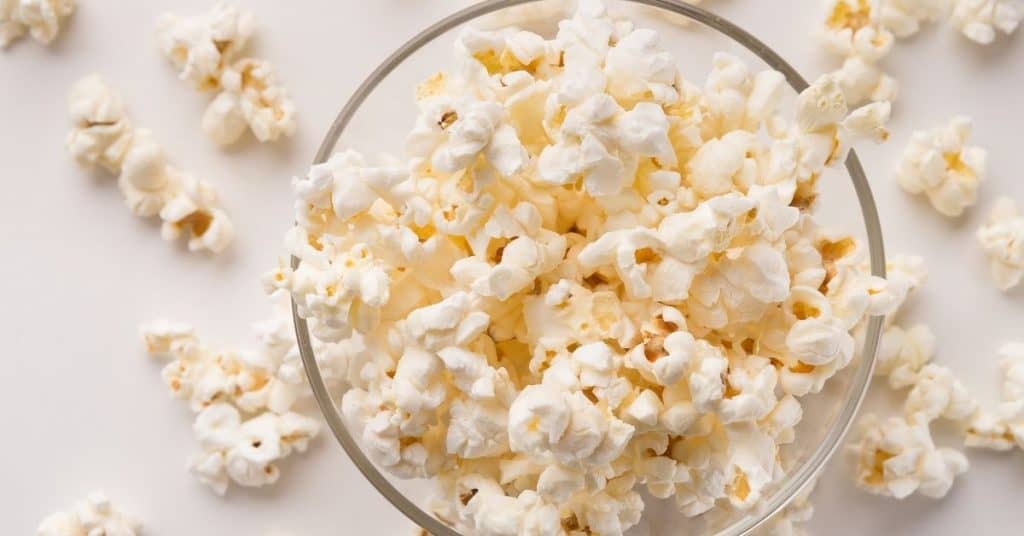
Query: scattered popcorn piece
{"points": [[251, 93], [39, 18], [1002, 240], [243, 400], [1002, 428], [902, 353], [201, 47], [246, 451], [95, 515], [207, 51], [939, 164], [102, 135], [853, 27], [938, 393], [979, 20], [862, 81], [897, 457], [905, 17]]}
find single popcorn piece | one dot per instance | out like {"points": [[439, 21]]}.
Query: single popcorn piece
{"points": [[1002, 428], [585, 275], [863, 81], [897, 457], [102, 135], [201, 47], [39, 18], [853, 27], [246, 452], [980, 20], [251, 96], [1002, 240], [902, 353], [939, 164], [904, 18], [207, 50], [95, 515], [938, 393]]}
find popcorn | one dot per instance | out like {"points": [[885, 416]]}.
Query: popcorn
{"points": [[904, 17], [902, 353], [251, 92], [1002, 240], [246, 452], [939, 164], [937, 393], [1002, 427], [39, 18], [103, 136], [979, 20], [201, 47], [863, 81], [896, 458], [852, 27], [243, 400], [207, 51], [738, 100], [587, 274], [95, 515]]}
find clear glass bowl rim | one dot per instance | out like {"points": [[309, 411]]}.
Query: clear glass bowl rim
{"points": [[796, 480]]}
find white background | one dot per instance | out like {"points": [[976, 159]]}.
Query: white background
{"points": [[83, 408]]}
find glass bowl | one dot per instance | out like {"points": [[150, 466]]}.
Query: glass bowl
{"points": [[383, 105]]}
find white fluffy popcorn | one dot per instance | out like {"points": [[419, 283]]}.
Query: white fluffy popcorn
{"points": [[102, 135], [246, 452], [39, 18], [940, 164], [95, 515], [207, 51], [897, 457], [1002, 240], [980, 20], [587, 275], [853, 27], [201, 47], [243, 400], [1002, 427]]}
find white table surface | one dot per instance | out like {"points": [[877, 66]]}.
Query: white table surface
{"points": [[83, 408]]}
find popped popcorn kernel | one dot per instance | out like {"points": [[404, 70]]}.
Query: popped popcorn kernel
{"points": [[897, 457], [939, 164], [39, 18], [1002, 240], [95, 515], [982, 20]]}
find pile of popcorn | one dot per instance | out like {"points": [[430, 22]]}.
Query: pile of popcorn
{"points": [[207, 52], [588, 276], [244, 401], [39, 18], [95, 516], [102, 135]]}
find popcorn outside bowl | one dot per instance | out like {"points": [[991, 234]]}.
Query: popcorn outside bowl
{"points": [[383, 106]]}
